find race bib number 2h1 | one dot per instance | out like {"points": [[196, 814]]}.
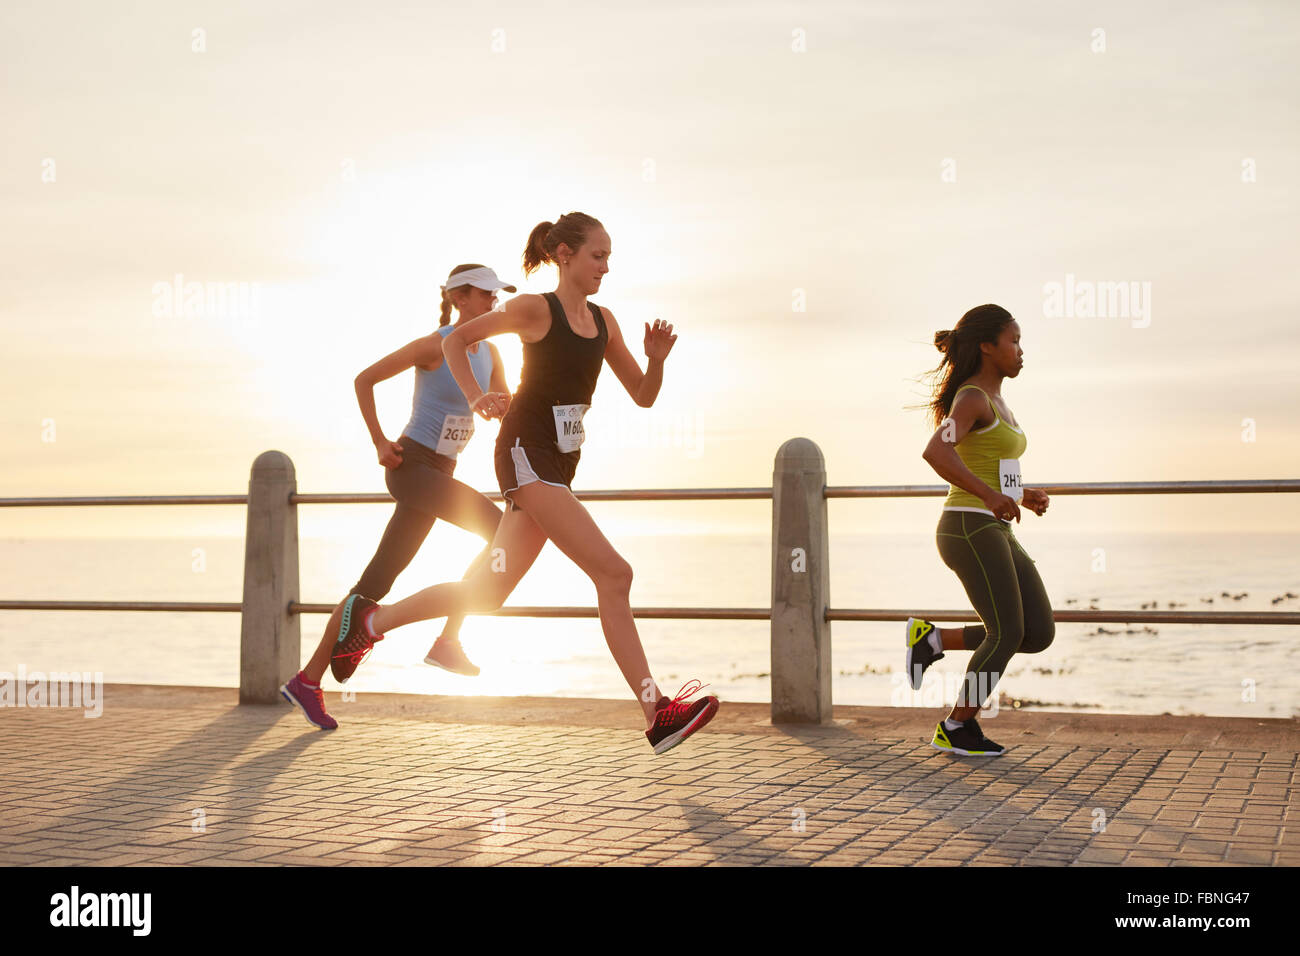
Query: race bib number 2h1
{"points": [[1009, 477], [568, 426], [457, 430]]}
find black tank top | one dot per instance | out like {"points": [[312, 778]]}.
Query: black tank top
{"points": [[556, 384]]}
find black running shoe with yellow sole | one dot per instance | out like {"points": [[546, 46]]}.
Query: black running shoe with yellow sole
{"points": [[967, 740], [920, 652]]}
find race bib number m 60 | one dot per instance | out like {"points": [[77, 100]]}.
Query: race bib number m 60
{"points": [[568, 426], [1009, 478], [457, 430]]}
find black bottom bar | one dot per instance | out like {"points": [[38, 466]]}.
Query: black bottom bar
{"points": [[273, 906]]}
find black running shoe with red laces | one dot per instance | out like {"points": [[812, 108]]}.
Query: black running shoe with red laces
{"points": [[676, 719], [354, 641]]}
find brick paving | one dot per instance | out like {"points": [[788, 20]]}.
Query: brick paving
{"points": [[185, 776]]}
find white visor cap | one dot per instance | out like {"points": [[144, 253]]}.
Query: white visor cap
{"points": [[483, 278]]}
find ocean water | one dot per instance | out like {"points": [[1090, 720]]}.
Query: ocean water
{"points": [[1154, 669]]}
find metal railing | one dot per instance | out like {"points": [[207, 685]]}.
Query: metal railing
{"points": [[799, 614]]}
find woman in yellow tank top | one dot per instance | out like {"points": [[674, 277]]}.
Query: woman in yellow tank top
{"points": [[976, 448]]}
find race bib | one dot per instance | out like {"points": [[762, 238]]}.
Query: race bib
{"points": [[1009, 476], [457, 430], [568, 426]]}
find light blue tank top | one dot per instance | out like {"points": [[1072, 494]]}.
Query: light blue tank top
{"points": [[440, 416]]}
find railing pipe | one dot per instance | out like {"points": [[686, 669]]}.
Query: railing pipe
{"points": [[800, 616]]}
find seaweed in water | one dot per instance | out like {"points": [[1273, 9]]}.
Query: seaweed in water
{"points": [[1018, 703]]}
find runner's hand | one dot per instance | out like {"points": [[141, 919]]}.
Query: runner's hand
{"points": [[1003, 507], [1035, 500], [390, 453], [659, 340], [492, 405]]}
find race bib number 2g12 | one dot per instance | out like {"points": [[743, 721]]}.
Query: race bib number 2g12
{"points": [[457, 430]]}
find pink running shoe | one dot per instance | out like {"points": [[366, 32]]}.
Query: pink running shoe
{"points": [[675, 719], [450, 656], [310, 700]]}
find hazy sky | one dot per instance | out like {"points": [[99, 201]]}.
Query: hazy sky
{"points": [[807, 191]]}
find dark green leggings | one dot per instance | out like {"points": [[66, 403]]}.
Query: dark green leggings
{"points": [[1004, 587]]}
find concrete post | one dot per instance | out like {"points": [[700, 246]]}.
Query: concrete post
{"points": [[801, 635], [270, 643]]}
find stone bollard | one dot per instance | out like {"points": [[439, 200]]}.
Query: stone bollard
{"points": [[270, 642], [801, 635]]}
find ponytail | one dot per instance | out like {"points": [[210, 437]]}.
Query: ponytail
{"points": [[571, 229], [535, 253], [962, 356]]}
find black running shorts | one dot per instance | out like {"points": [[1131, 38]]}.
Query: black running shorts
{"points": [[518, 464]]}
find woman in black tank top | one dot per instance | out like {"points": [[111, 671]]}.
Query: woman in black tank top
{"points": [[542, 433], [566, 338]]}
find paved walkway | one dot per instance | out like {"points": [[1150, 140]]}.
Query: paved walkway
{"points": [[185, 776]]}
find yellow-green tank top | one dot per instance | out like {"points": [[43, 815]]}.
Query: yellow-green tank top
{"points": [[993, 456]]}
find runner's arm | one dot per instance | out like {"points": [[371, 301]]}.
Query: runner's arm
{"points": [[525, 315], [423, 351], [642, 386], [941, 454], [498, 381]]}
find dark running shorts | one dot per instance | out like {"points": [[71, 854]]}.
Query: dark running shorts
{"points": [[518, 465]]}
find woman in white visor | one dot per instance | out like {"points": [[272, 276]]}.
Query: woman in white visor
{"points": [[418, 472]]}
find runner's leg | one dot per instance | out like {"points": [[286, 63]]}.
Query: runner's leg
{"points": [[1040, 626], [423, 491], [978, 551], [567, 522], [466, 508], [406, 532], [515, 546]]}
